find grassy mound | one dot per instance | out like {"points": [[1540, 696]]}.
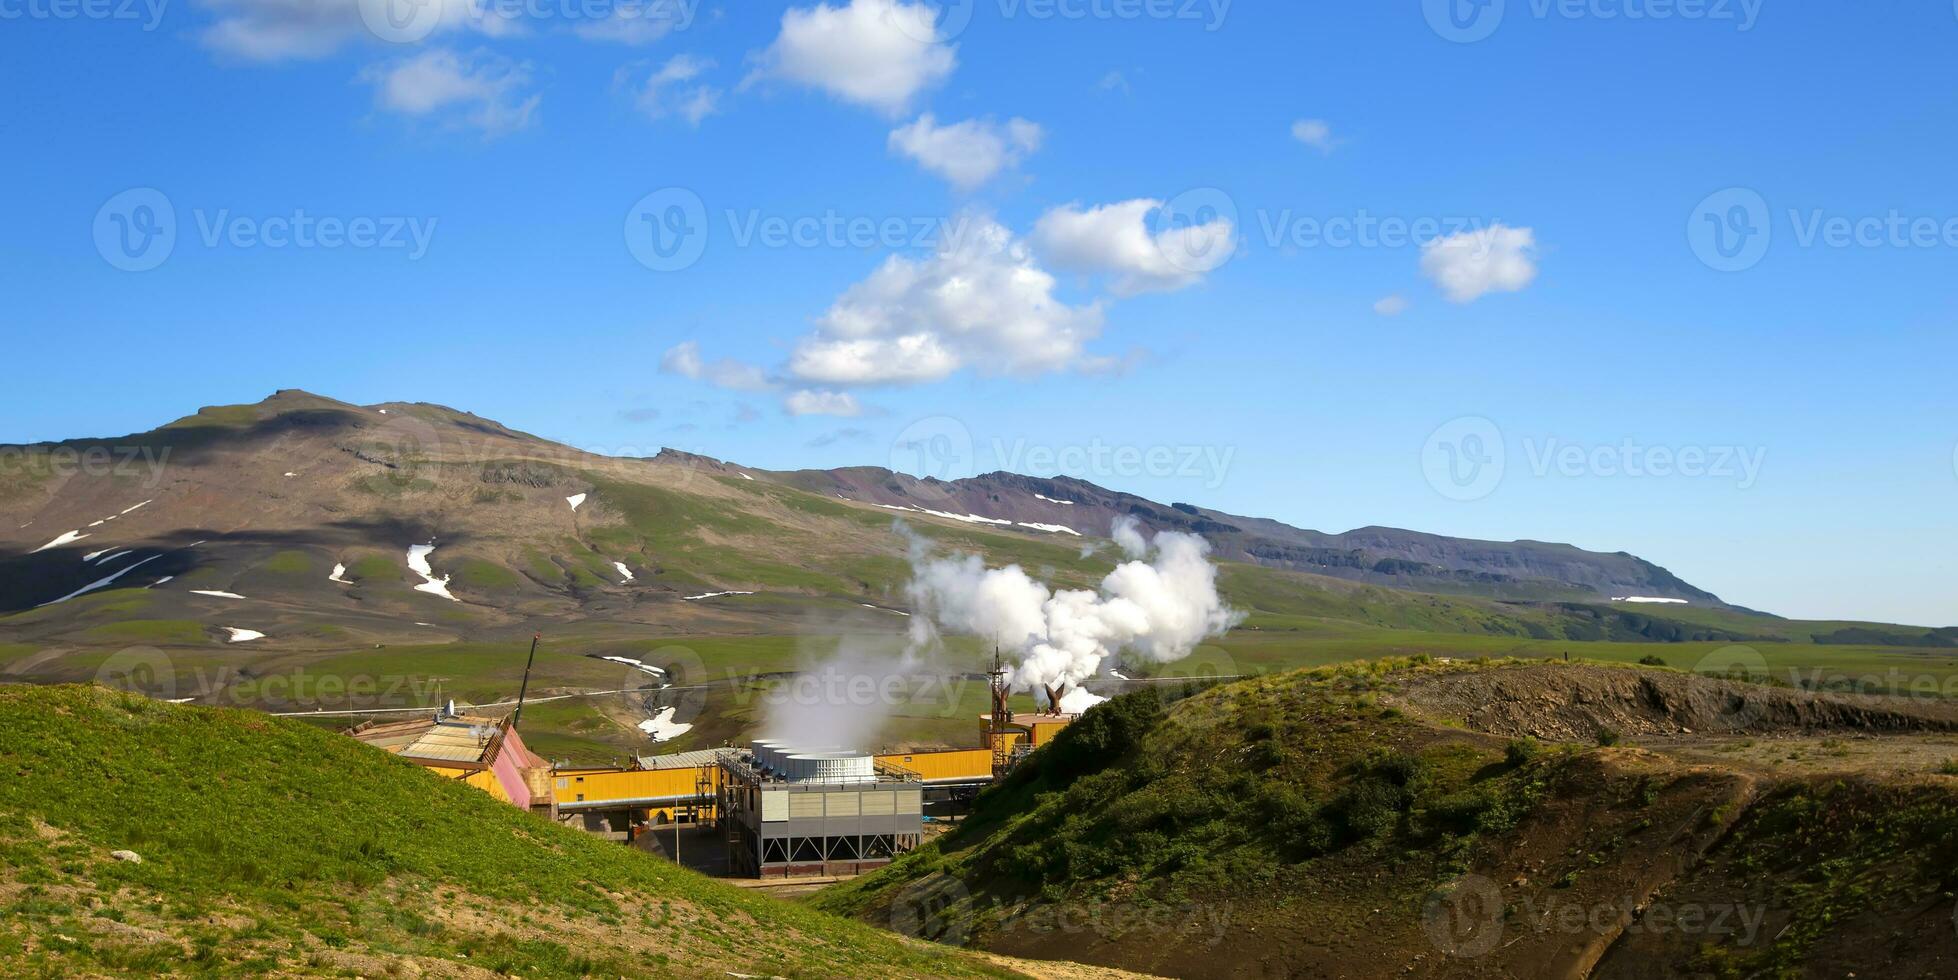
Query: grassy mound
{"points": [[270, 846], [1303, 824]]}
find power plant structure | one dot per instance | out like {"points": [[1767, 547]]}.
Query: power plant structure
{"points": [[1010, 736], [788, 810]]}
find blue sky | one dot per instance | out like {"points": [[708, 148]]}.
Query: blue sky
{"points": [[1557, 266]]}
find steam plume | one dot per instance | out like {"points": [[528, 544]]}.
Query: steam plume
{"points": [[1159, 604]]}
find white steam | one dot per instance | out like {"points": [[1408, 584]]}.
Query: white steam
{"points": [[1160, 604]]}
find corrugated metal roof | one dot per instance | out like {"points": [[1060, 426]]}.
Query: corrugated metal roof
{"points": [[458, 739], [680, 760]]}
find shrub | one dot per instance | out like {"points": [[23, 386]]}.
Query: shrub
{"points": [[1521, 751], [1607, 737], [1652, 660]]}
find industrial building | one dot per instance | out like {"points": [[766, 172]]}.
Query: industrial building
{"points": [[787, 810], [486, 753]]}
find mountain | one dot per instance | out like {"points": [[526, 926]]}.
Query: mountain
{"points": [[266, 500], [409, 552], [1375, 555]]}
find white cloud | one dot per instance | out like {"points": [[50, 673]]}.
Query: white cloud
{"points": [[877, 53], [671, 89], [1114, 81], [684, 360], [966, 153], [822, 402], [1391, 306], [1118, 239], [980, 302], [1315, 133], [1470, 264], [277, 30], [482, 90]]}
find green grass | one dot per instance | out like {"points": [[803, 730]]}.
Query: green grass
{"points": [[289, 563], [162, 632], [375, 568], [272, 846], [478, 575]]}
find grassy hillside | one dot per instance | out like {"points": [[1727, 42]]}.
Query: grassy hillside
{"points": [[270, 846], [1307, 824]]}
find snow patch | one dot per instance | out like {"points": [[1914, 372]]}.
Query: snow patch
{"points": [[216, 593], [713, 595], [161, 581], [418, 563], [291, 474], [339, 575], [662, 728], [1118, 675], [576, 500], [69, 538], [744, 476], [1063, 503], [1051, 528], [637, 665], [627, 572], [103, 583], [138, 507], [1647, 598], [242, 635], [91, 556], [115, 556]]}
